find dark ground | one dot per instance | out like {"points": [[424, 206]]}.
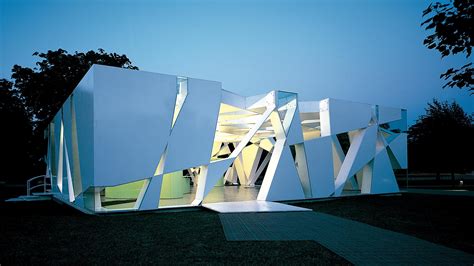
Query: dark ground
{"points": [[446, 220], [46, 232]]}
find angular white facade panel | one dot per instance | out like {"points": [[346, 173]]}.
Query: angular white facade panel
{"points": [[259, 100], [233, 99], [191, 140], [76, 162], [398, 148], [337, 155], [367, 173], [339, 116], [70, 188], [68, 152], [388, 114], [212, 173], [320, 166], [399, 125], [84, 110], [295, 134], [361, 151], [120, 126], [302, 169], [151, 198], [383, 179], [57, 172], [281, 181], [130, 128], [324, 118]]}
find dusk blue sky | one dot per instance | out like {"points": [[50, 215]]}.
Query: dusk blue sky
{"points": [[365, 51]]}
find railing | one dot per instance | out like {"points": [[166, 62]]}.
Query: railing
{"points": [[34, 183]]}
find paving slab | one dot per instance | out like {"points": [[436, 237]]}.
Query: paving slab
{"points": [[357, 242], [252, 206]]}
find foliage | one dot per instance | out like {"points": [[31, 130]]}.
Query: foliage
{"points": [[453, 26], [45, 88], [441, 140], [15, 134], [31, 99]]}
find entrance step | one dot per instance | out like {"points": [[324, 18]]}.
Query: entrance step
{"points": [[30, 198], [252, 206]]}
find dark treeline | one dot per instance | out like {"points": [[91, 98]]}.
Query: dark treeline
{"points": [[441, 141]]}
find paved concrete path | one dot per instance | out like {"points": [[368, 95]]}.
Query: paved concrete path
{"points": [[357, 242]]}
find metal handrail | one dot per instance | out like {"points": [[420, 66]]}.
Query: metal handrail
{"points": [[29, 188], [40, 185]]}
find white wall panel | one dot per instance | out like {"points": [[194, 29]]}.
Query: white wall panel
{"points": [[68, 152], [233, 99], [295, 133], [367, 174], [302, 169], [132, 119], [320, 166], [70, 188], [400, 124], [383, 180], [151, 198], [337, 155], [388, 114], [398, 147], [192, 137], [84, 110], [56, 183], [281, 180], [339, 116], [261, 100]]}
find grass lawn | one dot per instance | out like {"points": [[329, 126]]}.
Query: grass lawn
{"points": [[46, 232], [447, 220]]}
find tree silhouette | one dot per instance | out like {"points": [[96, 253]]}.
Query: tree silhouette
{"points": [[441, 140], [15, 134], [31, 99], [45, 88], [453, 25]]}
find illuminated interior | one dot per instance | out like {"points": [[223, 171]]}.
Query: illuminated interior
{"points": [[122, 197]]}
